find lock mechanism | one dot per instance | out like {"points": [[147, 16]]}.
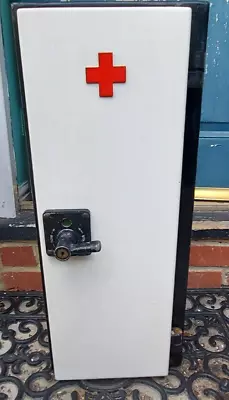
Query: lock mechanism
{"points": [[68, 234]]}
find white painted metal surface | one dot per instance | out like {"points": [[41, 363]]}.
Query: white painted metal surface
{"points": [[110, 313], [7, 167]]}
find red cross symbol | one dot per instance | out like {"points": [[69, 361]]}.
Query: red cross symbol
{"points": [[106, 74]]}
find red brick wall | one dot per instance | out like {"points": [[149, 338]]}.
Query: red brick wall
{"points": [[19, 266], [20, 269], [209, 264]]}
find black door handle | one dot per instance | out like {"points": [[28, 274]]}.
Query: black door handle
{"points": [[68, 234], [69, 244]]}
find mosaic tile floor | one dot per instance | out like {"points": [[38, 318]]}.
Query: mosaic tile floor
{"points": [[26, 370]]}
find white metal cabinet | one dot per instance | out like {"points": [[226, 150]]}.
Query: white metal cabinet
{"points": [[109, 155]]}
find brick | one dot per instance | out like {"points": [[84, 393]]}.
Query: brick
{"points": [[22, 280], [204, 279], [209, 256], [18, 256]]}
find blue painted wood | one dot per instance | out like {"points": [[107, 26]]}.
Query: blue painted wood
{"points": [[213, 162], [16, 111], [214, 126], [214, 134], [216, 88]]}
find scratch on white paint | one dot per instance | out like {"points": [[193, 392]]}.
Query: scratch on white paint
{"points": [[22, 226], [215, 145], [216, 17]]}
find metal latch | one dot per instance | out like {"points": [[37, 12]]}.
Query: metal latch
{"points": [[68, 234]]}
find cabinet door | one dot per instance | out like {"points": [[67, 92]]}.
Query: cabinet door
{"points": [[109, 154]]}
